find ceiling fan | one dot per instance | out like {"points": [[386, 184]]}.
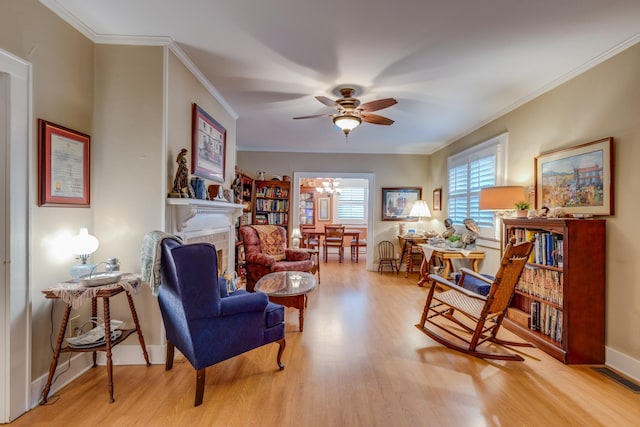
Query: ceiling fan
{"points": [[351, 113]]}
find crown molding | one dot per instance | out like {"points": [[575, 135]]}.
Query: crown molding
{"points": [[76, 23]]}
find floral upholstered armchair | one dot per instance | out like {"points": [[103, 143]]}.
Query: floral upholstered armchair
{"points": [[265, 251]]}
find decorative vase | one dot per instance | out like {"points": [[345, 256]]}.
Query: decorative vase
{"points": [[198, 188]]}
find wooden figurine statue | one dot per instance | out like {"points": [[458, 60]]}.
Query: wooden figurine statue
{"points": [[181, 185]]}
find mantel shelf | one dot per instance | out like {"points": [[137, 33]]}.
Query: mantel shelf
{"points": [[187, 209]]}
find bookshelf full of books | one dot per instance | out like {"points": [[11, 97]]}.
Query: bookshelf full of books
{"points": [[271, 204], [559, 304]]}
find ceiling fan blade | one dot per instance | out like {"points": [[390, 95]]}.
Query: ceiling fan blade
{"points": [[313, 116], [326, 101], [376, 119], [378, 104]]}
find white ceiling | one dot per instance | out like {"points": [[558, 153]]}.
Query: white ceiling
{"points": [[453, 65]]}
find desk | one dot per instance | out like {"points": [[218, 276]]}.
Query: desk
{"points": [[353, 233], [408, 242], [289, 288], [74, 295], [446, 255]]}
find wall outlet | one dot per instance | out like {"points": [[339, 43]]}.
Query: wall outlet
{"points": [[73, 326]]}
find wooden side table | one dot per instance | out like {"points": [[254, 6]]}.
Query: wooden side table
{"points": [[446, 256], [314, 252], [74, 295]]}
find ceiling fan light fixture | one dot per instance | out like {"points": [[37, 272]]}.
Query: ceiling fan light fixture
{"points": [[347, 122]]}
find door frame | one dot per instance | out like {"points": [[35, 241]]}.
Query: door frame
{"points": [[370, 177], [15, 225]]}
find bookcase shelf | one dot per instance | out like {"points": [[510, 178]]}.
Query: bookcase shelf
{"points": [[559, 304], [307, 206], [271, 203]]}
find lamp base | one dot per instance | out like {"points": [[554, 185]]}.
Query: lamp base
{"points": [[79, 270]]}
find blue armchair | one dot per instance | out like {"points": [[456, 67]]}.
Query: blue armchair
{"points": [[202, 320]]}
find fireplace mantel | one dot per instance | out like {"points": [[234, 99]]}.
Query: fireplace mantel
{"points": [[212, 221], [185, 213]]}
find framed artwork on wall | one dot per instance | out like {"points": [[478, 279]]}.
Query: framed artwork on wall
{"points": [[577, 179], [397, 202], [437, 199], [63, 166], [208, 146], [323, 209]]}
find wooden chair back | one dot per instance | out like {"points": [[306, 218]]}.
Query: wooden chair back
{"points": [[504, 284]]}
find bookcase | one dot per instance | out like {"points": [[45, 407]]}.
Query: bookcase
{"points": [[307, 206], [559, 304], [271, 203]]}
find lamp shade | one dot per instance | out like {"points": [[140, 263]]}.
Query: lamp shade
{"points": [[419, 209], [347, 121], [84, 243], [501, 198]]}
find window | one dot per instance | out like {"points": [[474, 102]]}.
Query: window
{"points": [[351, 206], [469, 171]]}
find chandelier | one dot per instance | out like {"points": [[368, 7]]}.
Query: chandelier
{"points": [[329, 186]]}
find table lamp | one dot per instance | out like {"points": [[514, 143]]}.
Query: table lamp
{"points": [[296, 235], [502, 200], [83, 245], [420, 209]]}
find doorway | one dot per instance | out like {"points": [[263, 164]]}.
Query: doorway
{"points": [[369, 177]]}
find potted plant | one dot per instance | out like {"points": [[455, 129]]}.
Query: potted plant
{"points": [[522, 208], [454, 241]]}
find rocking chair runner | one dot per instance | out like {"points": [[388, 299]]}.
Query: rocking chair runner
{"points": [[483, 315]]}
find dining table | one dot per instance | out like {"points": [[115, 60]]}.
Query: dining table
{"points": [[354, 233]]}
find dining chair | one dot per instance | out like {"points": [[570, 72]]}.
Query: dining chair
{"points": [[309, 239], [387, 255], [333, 238]]}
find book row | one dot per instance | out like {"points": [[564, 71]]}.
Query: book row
{"points": [[276, 218], [547, 320], [548, 248], [277, 192], [542, 283], [272, 205]]}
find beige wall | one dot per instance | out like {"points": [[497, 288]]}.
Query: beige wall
{"points": [[604, 101], [118, 95], [63, 64], [183, 90], [129, 138], [390, 171]]}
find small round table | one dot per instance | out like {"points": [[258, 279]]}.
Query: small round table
{"points": [[289, 288]]}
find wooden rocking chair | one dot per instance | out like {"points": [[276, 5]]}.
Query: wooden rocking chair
{"points": [[469, 319]]}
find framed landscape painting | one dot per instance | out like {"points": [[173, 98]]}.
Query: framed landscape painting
{"points": [[578, 179], [397, 202]]}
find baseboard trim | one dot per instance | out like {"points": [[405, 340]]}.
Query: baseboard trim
{"points": [[624, 364], [68, 371]]}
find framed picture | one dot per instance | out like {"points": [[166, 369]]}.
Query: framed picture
{"points": [[578, 179], [323, 209], [397, 202], [437, 199], [208, 146], [63, 166]]}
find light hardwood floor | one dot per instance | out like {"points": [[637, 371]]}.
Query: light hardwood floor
{"points": [[359, 362]]}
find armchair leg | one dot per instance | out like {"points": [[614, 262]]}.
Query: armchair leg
{"points": [[168, 363], [282, 343], [200, 376]]}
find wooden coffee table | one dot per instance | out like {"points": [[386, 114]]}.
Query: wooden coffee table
{"points": [[289, 288]]}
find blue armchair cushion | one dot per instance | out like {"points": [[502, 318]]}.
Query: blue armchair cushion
{"points": [[475, 285]]}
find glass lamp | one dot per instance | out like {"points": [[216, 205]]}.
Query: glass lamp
{"points": [[296, 235], [347, 122], [83, 245]]}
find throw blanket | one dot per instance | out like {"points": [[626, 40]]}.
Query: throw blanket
{"points": [[150, 257], [271, 241]]}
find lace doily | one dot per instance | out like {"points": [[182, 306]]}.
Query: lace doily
{"points": [[75, 295]]}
